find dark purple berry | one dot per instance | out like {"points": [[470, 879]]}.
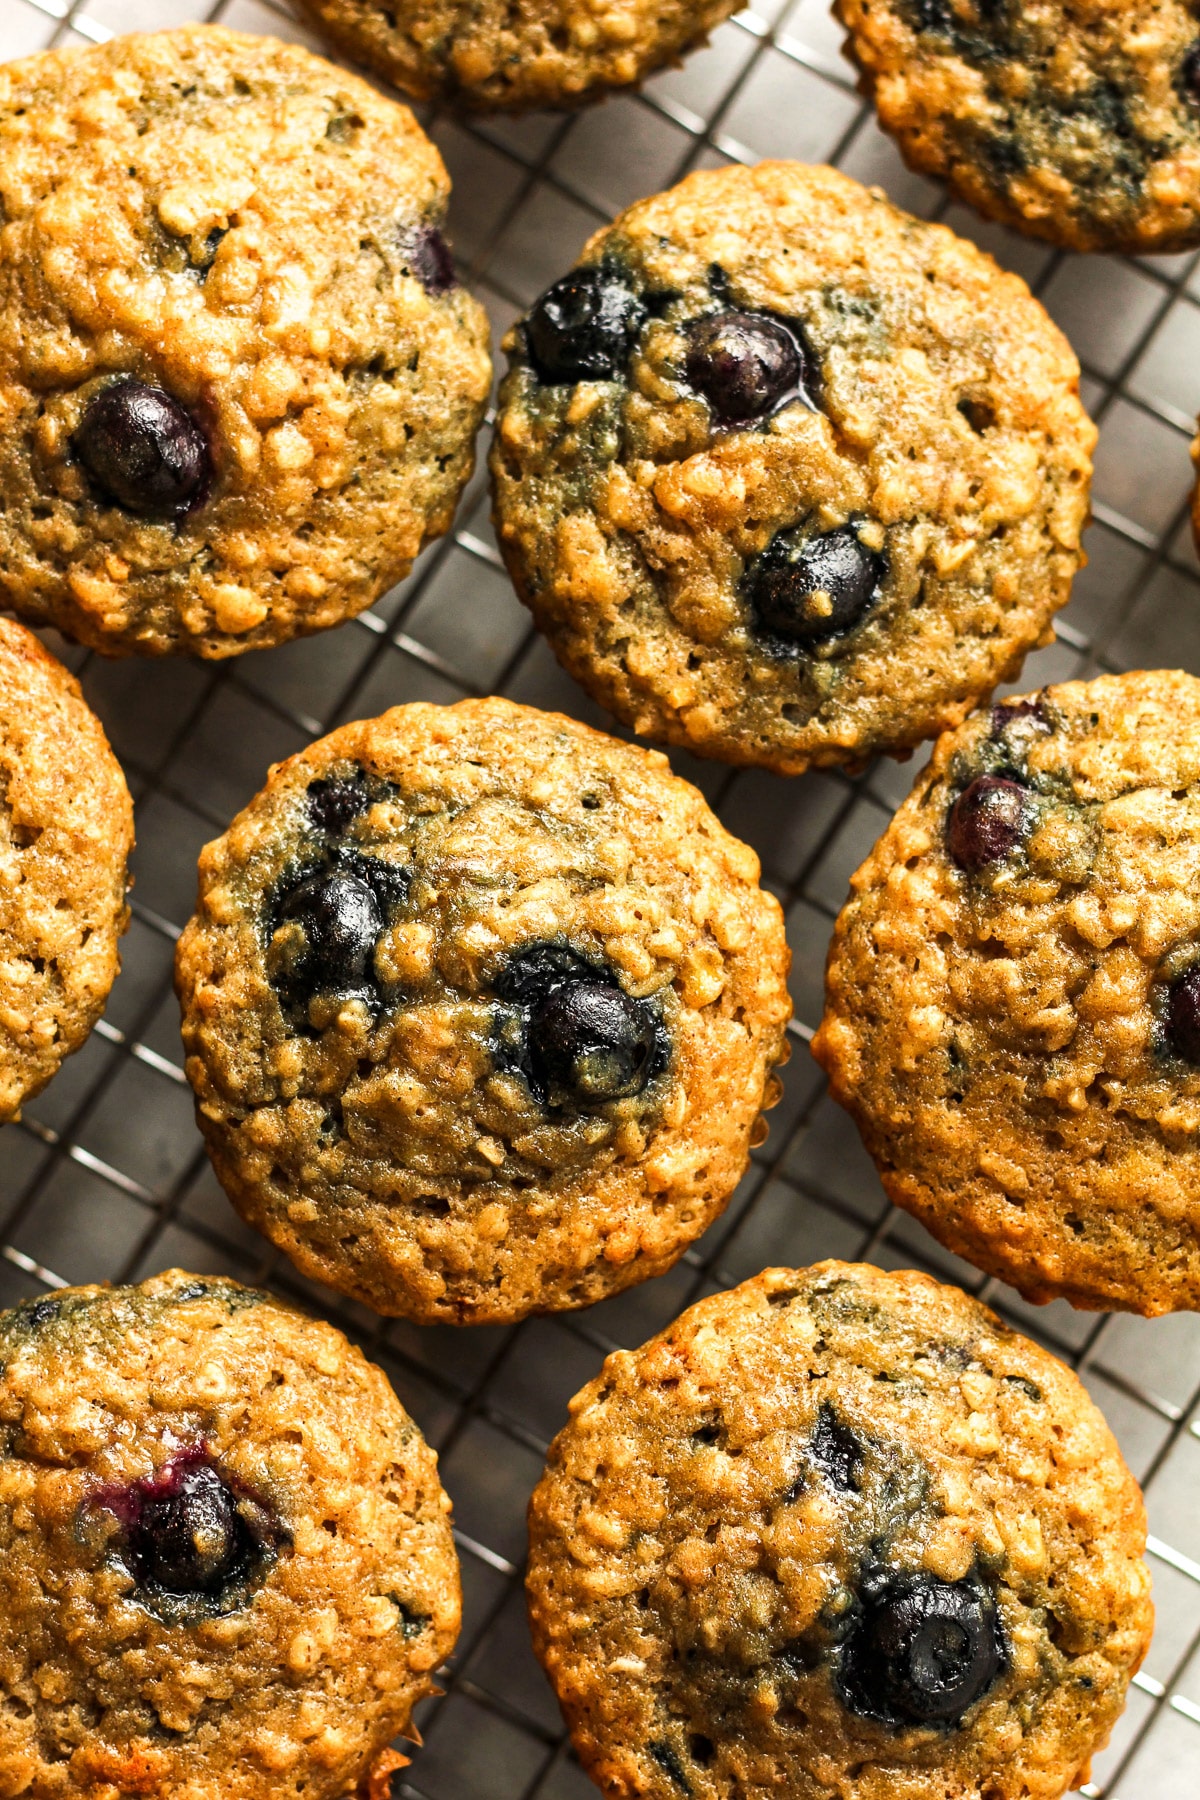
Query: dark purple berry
{"points": [[429, 258], [333, 806], [1183, 1015], [582, 328], [745, 364], [144, 450], [187, 1537], [836, 1451], [987, 820], [341, 920], [1189, 72], [811, 589], [922, 1651], [591, 1042]]}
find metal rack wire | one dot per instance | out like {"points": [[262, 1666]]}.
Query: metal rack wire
{"points": [[105, 1178]]}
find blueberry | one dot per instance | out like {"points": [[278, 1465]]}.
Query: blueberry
{"points": [[1189, 72], [591, 1042], [1183, 1015], [341, 920], [333, 806], [582, 328], [144, 450], [745, 364], [836, 1451], [811, 589], [429, 258], [987, 820], [187, 1537], [922, 1651]]}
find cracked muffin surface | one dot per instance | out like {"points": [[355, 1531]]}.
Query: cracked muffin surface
{"points": [[492, 56], [480, 1008], [227, 1565], [1013, 994], [66, 830], [838, 1531], [786, 475], [239, 383], [1069, 119]]}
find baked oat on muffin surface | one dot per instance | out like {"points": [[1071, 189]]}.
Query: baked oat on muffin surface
{"points": [[480, 1008], [838, 1531], [489, 56], [227, 1566], [66, 831], [1013, 994], [239, 384], [1073, 120], [785, 475]]}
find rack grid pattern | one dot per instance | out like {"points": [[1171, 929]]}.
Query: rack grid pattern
{"points": [[105, 1178]]}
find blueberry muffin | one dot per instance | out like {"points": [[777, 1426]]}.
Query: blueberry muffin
{"points": [[239, 384], [1070, 119], [66, 829], [496, 57], [480, 1008], [1013, 995], [226, 1564], [838, 1532], [787, 476]]}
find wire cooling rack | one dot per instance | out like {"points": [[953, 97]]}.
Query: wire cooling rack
{"points": [[104, 1178]]}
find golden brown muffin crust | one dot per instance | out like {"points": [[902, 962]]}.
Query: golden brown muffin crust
{"points": [[1002, 1034], [253, 232], [66, 829], [732, 1503], [942, 435], [289, 1674], [405, 1128]]}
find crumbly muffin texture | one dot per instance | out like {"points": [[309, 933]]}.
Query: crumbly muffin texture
{"points": [[239, 385], [492, 56], [1013, 997], [480, 1009], [66, 829], [838, 1532], [788, 476], [227, 1565], [1072, 120]]}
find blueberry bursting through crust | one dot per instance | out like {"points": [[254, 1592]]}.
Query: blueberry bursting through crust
{"points": [[569, 1028], [748, 364], [195, 1543], [583, 327], [144, 451], [921, 1651], [805, 591], [986, 822]]}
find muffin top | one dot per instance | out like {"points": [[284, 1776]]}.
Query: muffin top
{"points": [[238, 382], [489, 56], [480, 1008], [1074, 120], [227, 1564], [786, 475], [66, 828], [838, 1531], [1013, 1002]]}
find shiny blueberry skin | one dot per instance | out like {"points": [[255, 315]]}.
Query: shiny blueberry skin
{"points": [[333, 806], [429, 258], [745, 364], [144, 451], [187, 1537], [341, 920], [592, 1042], [1183, 1015], [836, 1451], [809, 590], [922, 1651], [989, 818], [582, 328]]}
